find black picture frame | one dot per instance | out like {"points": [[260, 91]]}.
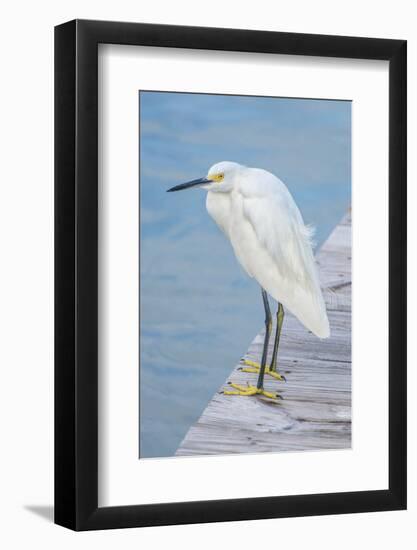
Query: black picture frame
{"points": [[76, 272]]}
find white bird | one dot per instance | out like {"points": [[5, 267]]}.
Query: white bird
{"points": [[257, 213]]}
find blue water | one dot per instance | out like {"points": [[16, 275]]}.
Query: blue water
{"points": [[199, 311]]}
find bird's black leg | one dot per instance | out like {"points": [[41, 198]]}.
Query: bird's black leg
{"points": [[239, 389], [280, 320], [268, 327], [253, 366]]}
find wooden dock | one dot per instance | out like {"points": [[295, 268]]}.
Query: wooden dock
{"points": [[315, 412]]}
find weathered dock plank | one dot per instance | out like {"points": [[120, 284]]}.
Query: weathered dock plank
{"points": [[315, 412]]}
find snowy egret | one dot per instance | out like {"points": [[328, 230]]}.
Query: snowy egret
{"points": [[257, 213]]}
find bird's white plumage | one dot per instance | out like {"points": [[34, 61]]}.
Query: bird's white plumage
{"points": [[257, 213]]}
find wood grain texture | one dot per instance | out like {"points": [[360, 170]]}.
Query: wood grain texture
{"points": [[315, 409]]}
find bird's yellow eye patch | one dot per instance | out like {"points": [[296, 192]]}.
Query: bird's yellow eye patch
{"points": [[217, 177]]}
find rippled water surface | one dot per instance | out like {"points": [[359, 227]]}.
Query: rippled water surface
{"points": [[199, 311]]}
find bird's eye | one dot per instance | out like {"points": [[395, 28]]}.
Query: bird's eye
{"points": [[217, 177]]}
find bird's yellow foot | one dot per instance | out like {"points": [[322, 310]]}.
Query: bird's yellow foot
{"points": [[250, 390], [253, 367]]}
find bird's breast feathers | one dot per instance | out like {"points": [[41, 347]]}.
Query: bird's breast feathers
{"points": [[219, 207]]}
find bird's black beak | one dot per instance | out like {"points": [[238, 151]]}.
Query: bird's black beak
{"points": [[194, 183]]}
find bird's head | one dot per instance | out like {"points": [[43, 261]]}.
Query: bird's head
{"points": [[220, 178]]}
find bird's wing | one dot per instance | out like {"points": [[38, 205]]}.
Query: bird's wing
{"points": [[288, 271], [280, 230]]}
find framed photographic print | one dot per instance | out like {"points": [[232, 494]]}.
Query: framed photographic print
{"points": [[230, 252]]}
